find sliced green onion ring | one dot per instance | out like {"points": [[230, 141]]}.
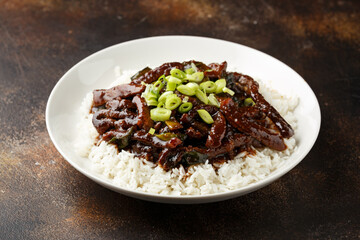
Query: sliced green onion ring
{"points": [[205, 116], [162, 78], [157, 86], [208, 86], [160, 114], [172, 102], [201, 96], [220, 84], [150, 95], [195, 77], [151, 102], [185, 107], [213, 100], [171, 86], [152, 131], [161, 105], [163, 96], [229, 91], [249, 102], [189, 71], [177, 73], [186, 90], [194, 67], [173, 79], [193, 86]]}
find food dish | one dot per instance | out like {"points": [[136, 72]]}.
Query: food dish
{"points": [[113, 138], [266, 68]]}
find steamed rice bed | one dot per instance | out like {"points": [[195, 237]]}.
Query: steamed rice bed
{"points": [[125, 170]]}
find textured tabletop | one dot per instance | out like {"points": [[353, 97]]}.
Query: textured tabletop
{"points": [[44, 197]]}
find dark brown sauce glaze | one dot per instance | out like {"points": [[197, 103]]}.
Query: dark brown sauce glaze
{"points": [[122, 117]]}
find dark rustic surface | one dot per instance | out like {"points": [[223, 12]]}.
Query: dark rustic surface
{"points": [[43, 197]]}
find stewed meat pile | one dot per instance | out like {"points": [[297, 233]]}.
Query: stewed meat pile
{"points": [[187, 113]]}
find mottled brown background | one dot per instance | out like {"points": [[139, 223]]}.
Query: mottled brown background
{"points": [[43, 197]]}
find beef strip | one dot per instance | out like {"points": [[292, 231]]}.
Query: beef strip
{"points": [[101, 96]]}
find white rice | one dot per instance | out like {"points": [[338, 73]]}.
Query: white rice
{"points": [[125, 170]]}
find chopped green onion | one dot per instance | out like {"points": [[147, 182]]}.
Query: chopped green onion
{"points": [[189, 71], [152, 131], [147, 90], [229, 91], [213, 100], [194, 67], [249, 102], [186, 90], [149, 96], [185, 99], [173, 79], [195, 77], [162, 78], [193, 86], [205, 116], [172, 102], [157, 86], [185, 107], [201, 96], [148, 93], [152, 95], [208, 86], [220, 84], [151, 102], [171, 86], [163, 96], [161, 105], [160, 114], [177, 73]]}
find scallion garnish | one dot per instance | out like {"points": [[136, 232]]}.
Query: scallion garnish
{"points": [[185, 107], [186, 90], [163, 96], [177, 73], [161, 104], [220, 84], [205, 116], [189, 71], [208, 86], [172, 102], [229, 91], [157, 86], [213, 100], [171, 86], [152, 131], [175, 80], [201, 96], [249, 102], [195, 77], [160, 114], [193, 66]]}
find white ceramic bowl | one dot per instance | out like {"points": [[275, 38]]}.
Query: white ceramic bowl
{"points": [[97, 71]]}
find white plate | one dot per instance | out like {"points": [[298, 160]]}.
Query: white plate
{"points": [[97, 71]]}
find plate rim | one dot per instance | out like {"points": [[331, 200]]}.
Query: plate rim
{"points": [[184, 199]]}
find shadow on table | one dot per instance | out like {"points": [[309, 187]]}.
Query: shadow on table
{"points": [[254, 215]]}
